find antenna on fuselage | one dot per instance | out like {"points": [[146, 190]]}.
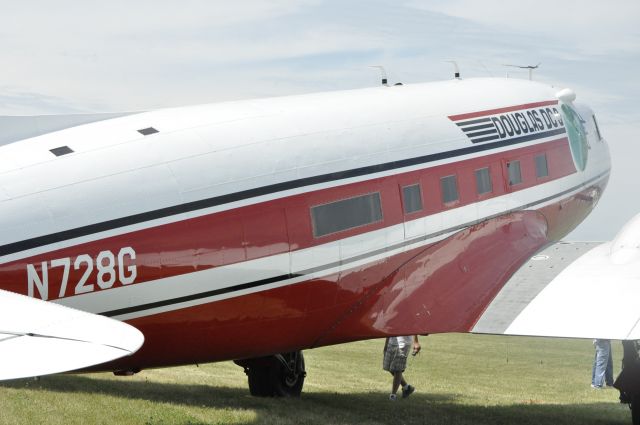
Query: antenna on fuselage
{"points": [[456, 70], [383, 74], [529, 67]]}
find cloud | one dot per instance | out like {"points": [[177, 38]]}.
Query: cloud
{"points": [[69, 56], [150, 54], [16, 102], [140, 55], [594, 27], [70, 19]]}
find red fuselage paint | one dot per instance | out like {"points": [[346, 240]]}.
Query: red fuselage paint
{"points": [[442, 286]]}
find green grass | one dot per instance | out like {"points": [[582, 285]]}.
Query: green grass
{"points": [[460, 379]]}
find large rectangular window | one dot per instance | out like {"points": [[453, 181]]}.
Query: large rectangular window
{"points": [[346, 214], [541, 166], [483, 181], [515, 175], [449, 187], [411, 198]]}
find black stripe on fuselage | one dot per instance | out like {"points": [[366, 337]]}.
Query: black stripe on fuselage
{"points": [[274, 279], [477, 121], [532, 136], [38, 241], [478, 127], [485, 139], [474, 135], [201, 295], [324, 267]]}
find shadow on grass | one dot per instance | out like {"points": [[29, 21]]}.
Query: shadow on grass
{"points": [[333, 408]]}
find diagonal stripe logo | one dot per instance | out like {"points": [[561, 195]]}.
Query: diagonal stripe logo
{"points": [[522, 122]]}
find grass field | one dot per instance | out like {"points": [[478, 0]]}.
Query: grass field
{"points": [[460, 379]]}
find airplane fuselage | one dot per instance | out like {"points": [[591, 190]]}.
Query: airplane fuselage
{"points": [[242, 229]]}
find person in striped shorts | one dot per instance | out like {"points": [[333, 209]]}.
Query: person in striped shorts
{"points": [[396, 351]]}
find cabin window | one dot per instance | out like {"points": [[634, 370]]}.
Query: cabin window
{"points": [[483, 181], [449, 187], [515, 175], [411, 198], [541, 166], [346, 214]]}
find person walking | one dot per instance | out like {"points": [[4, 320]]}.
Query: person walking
{"points": [[628, 381], [396, 350], [602, 371]]}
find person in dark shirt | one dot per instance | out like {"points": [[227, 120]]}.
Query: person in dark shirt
{"points": [[628, 381]]}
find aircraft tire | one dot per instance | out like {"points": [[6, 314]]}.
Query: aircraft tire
{"points": [[285, 383], [275, 376], [260, 381]]}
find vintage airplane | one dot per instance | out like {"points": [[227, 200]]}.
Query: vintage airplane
{"points": [[252, 230]]}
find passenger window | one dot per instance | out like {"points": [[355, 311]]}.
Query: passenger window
{"points": [[483, 181], [541, 166], [411, 199], [346, 214], [515, 176], [449, 187]]}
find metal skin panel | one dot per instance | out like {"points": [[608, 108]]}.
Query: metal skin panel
{"points": [[527, 283], [277, 227], [602, 284], [243, 146], [322, 311], [426, 290], [205, 243], [444, 287]]}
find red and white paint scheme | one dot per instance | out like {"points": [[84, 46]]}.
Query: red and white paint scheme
{"points": [[248, 229]]}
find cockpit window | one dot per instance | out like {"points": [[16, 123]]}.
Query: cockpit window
{"points": [[595, 123], [577, 136]]}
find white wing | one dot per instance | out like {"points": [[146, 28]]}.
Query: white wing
{"points": [[39, 338], [596, 295]]}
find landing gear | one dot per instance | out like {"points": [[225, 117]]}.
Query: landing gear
{"points": [[628, 381], [281, 375], [635, 410]]}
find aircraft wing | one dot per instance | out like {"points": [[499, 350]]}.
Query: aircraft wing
{"points": [[40, 338], [573, 289]]}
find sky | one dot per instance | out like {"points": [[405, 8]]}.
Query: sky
{"points": [[79, 56]]}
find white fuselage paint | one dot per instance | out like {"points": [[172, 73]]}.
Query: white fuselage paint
{"points": [[206, 151]]}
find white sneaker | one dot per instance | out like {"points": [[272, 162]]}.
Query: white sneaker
{"points": [[392, 397]]}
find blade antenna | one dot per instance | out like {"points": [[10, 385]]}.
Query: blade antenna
{"points": [[529, 67], [383, 74], [456, 70]]}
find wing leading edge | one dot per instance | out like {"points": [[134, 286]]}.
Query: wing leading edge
{"points": [[39, 338], [575, 290]]}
